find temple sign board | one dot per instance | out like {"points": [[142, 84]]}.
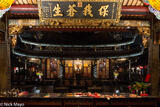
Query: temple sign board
{"points": [[79, 13]]}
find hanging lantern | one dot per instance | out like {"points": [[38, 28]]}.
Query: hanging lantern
{"points": [[5, 6], [155, 4]]}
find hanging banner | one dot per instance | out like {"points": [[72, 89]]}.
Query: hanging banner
{"points": [[79, 13]]}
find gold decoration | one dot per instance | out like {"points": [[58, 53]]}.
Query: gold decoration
{"points": [[24, 22], [71, 11], [14, 40], [88, 10], [133, 23], [125, 2], [103, 11], [14, 30], [79, 22], [145, 41], [122, 23], [48, 10], [144, 31], [57, 10]]}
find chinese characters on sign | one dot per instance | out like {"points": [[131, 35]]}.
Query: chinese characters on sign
{"points": [[57, 11], [103, 11], [71, 9], [79, 11], [88, 10]]}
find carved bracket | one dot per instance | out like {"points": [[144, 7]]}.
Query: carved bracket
{"points": [[77, 23], [14, 30], [144, 31]]}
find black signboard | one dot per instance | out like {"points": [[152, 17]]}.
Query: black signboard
{"points": [[79, 13]]}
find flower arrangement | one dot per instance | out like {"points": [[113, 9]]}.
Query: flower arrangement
{"points": [[139, 88]]}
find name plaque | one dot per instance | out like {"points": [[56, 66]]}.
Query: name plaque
{"points": [[79, 13]]}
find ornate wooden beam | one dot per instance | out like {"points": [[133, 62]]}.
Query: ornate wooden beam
{"points": [[134, 9], [15, 9], [35, 22], [16, 25], [124, 2], [144, 31], [33, 10], [14, 30]]}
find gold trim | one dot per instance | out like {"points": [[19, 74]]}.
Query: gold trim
{"points": [[122, 23], [79, 23], [146, 31], [145, 41], [14, 30], [124, 3], [84, 0]]}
